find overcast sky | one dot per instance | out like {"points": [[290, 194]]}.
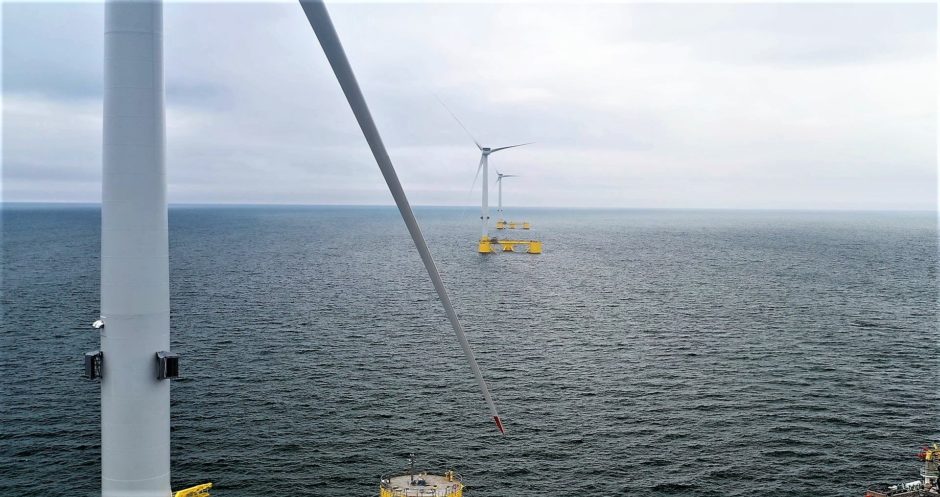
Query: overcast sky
{"points": [[729, 106]]}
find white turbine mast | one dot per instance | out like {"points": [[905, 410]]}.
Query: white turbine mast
{"points": [[499, 184], [135, 295]]}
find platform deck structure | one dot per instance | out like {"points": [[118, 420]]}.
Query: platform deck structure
{"points": [[422, 485], [512, 225], [509, 245]]}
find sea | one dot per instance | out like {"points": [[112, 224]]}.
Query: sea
{"points": [[644, 352]]}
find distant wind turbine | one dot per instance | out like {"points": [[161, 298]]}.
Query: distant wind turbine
{"points": [[499, 183], [484, 162]]}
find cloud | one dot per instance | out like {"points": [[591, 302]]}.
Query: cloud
{"points": [[51, 50], [784, 106]]}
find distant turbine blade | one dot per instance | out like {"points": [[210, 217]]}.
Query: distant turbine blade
{"points": [[510, 175], [470, 191], [479, 168], [458, 122], [511, 146], [320, 21]]}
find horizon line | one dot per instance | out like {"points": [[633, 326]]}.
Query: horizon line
{"points": [[609, 208]]}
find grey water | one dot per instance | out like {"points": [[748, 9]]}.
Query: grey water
{"points": [[645, 352]]}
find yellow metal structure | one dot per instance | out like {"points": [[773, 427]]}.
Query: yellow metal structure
{"points": [[490, 245], [197, 491], [532, 246], [930, 453], [501, 225], [485, 247]]}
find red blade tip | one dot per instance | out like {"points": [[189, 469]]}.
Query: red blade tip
{"points": [[499, 424]]}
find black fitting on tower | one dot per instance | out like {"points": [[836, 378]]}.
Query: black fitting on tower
{"points": [[93, 361], [168, 365]]}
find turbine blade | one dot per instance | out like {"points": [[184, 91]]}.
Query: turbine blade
{"points": [[479, 168], [458, 122], [511, 146], [470, 191], [322, 25]]}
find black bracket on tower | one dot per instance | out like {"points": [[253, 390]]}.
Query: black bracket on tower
{"points": [[93, 361], [168, 365]]}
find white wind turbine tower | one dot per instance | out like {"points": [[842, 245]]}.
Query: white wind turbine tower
{"points": [[499, 184], [484, 246]]}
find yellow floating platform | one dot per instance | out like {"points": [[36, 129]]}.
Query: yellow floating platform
{"points": [[501, 225], [532, 246], [488, 246]]}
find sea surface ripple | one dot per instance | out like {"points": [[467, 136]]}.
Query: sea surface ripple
{"points": [[645, 352]]}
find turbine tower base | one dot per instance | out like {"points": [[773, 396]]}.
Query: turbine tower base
{"points": [[485, 247]]}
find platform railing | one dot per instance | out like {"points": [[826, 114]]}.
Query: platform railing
{"points": [[453, 488], [454, 491]]}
